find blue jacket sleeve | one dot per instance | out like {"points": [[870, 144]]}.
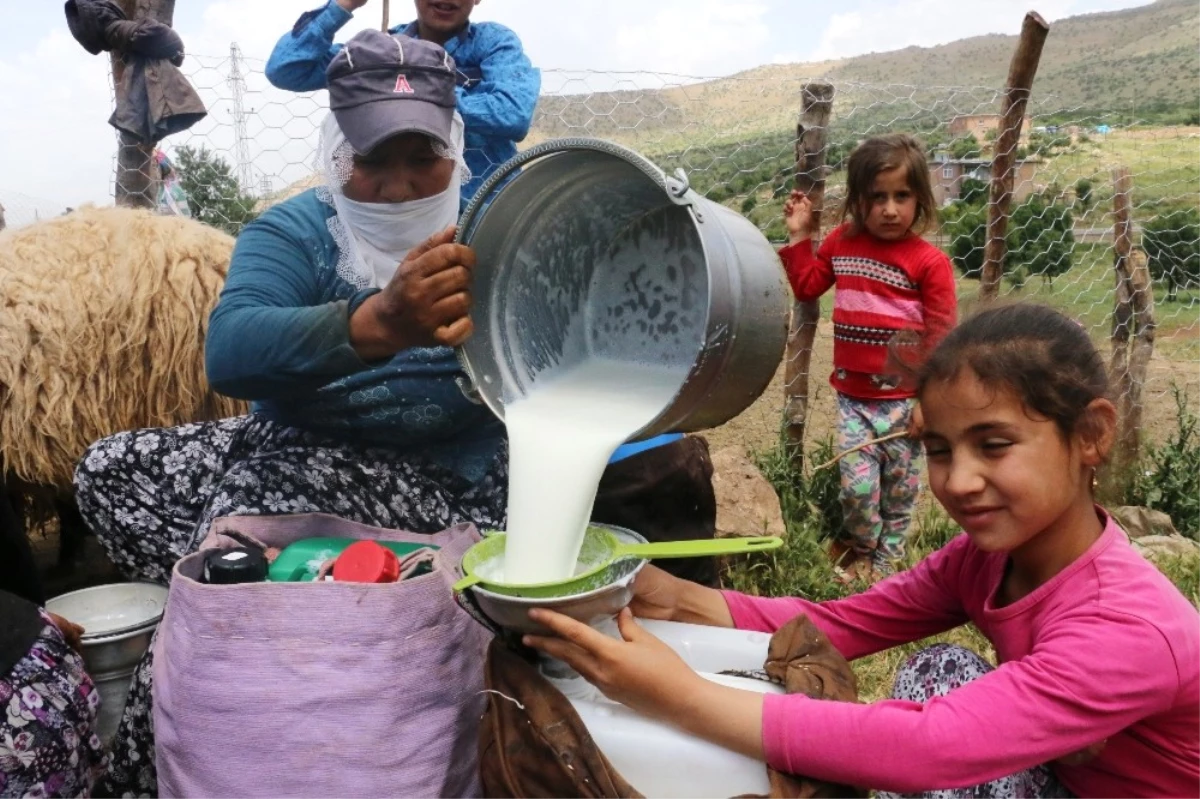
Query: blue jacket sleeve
{"points": [[268, 338], [301, 55], [502, 104]]}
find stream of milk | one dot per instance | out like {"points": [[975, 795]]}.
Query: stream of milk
{"points": [[560, 438]]}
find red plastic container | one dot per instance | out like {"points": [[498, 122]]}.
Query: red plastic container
{"points": [[366, 562]]}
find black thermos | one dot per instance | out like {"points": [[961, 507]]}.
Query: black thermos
{"points": [[237, 565]]}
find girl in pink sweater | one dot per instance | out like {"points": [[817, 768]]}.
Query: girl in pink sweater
{"points": [[890, 285], [1098, 688]]}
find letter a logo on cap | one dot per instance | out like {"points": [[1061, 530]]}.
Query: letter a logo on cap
{"points": [[402, 86]]}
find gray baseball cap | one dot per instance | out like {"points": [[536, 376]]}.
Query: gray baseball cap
{"points": [[383, 84]]}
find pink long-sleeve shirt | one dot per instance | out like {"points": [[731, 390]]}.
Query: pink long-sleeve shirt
{"points": [[1107, 649]]}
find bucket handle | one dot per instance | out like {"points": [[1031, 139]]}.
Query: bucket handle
{"points": [[676, 186]]}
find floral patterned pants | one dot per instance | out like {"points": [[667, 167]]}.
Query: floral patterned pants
{"points": [[880, 483], [48, 744], [936, 671], [150, 496]]}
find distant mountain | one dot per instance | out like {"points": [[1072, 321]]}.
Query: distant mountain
{"points": [[1138, 61]]}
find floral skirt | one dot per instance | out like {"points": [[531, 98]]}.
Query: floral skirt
{"points": [[150, 496], [939, 669], [48, 744]]}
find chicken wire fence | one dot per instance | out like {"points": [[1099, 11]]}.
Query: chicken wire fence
{"points": [[735, 139], [18, 209]]}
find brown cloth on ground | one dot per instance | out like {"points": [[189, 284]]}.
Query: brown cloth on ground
{"points": [[532, 743], [801, 658], [666, 494]]}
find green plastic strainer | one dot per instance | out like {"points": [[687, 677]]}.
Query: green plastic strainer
{"points": [[597, 561]]}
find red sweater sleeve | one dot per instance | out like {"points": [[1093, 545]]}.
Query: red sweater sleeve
{"points": [[939, 299], [810, 274]]}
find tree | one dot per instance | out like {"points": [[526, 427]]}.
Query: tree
{"points": [[214, 195], [965, 147], [1039, 241], [965, 227], [1172, 245], [1041, 238]]}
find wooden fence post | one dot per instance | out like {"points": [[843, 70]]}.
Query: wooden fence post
{"points": [[1133, 325], [1016, 97], [811, 137], [137, 177]]}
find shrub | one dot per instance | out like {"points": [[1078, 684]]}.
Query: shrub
{"points": [[1039, 242], [1040, 239], [965, 227], [1169, 477], [1083, 193]]}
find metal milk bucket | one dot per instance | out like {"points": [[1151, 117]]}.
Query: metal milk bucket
{"points": [[591, 251]]}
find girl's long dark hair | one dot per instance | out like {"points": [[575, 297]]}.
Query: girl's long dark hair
{"points": [[879, 154]]}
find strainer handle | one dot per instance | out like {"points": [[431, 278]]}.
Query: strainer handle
{"points": [[676, 187], [466, 582], [689, 549]]}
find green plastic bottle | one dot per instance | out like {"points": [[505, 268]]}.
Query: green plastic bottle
{"points": [[300, 562]]}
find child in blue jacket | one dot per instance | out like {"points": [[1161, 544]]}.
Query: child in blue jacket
{"points": [[497, 85]]}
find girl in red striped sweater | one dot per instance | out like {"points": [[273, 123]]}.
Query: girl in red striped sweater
{"points": [[888, 281]]}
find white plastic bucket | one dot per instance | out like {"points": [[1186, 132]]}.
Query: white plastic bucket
{"points": [[660, 760]]}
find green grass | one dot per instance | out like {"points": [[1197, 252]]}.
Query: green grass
{"points": [[1085, 293], [1165, 171]]}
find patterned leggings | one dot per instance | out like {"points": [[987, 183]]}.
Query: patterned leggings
{"points": [[939, 669], [880, 482], [48, 708]]}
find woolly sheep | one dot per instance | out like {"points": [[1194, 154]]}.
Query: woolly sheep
{"points": [[102, 330]]}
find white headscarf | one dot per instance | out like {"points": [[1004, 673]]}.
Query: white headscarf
{"points": [[374, 237]]}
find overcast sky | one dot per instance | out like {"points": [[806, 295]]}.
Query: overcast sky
{"points": [[56, 147]]}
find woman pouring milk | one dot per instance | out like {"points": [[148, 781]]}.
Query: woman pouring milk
{"points": [[337, 320]]}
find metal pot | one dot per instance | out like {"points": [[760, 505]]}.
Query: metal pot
{"points": [[590, 251]]}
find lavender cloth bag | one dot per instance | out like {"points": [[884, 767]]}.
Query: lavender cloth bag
{"points": [[318, 689]]}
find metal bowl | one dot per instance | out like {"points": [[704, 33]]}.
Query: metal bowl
{"points": [[119, 622], [110, 610], [590, 607]]}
